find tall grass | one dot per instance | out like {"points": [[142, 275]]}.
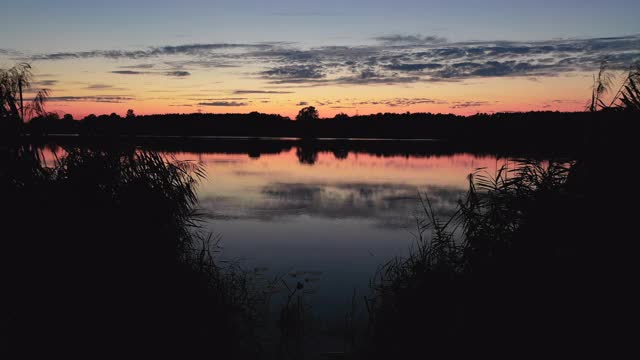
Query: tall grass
{"points": [[462, 286], [13, 83], [629, 94], [626, 98], [107, 255]]}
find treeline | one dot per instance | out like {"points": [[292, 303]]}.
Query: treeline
{"points": [[499, 128]]}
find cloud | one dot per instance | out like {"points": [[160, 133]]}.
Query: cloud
{"points": [[413, 67], [247, 92], [223, 103], [178, 73], [399, 102], [392, 59], [409, 39], [45, 83], [221, 99], [367, 78], [129, 72], [390, 102], [468, 104], [9, 52], [174, 73], [96, 98], [302, 103], [138, 66], [362, 77], [565, 101], [188, 49], [191, 49], [99, 86], [294, 72], [496, 69], [203, 63]]}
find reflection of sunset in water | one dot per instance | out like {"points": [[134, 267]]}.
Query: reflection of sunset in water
{"points": [[342, 215], [240, 172]]}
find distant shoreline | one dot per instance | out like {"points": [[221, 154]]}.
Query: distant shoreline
{"points": [[535, 128], [245, 138], [255, 147]]}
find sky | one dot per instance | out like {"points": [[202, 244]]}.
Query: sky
{"points": [[355, 57]]}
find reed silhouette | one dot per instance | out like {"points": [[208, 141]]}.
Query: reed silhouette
{"points": [[104, 258], [627, 97], [523, 268], [532, 263], [13, 111]]}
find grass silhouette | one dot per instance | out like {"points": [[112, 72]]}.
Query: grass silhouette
{"points": [[509, 272], [106, 259]]}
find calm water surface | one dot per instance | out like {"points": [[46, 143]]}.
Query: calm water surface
{"points": [[331, 221]]}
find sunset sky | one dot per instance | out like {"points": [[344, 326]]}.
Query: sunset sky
{"points": [[360, 56]]}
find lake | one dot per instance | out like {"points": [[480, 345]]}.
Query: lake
{"points": [[319, 215], [333, 220]]}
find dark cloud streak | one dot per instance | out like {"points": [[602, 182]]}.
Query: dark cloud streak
{"points": [[393, 59], [178, 73], [129, 72], [248, 92], [223, 103], [45, 83], [96, 98], [99, 86], [409, 39]]}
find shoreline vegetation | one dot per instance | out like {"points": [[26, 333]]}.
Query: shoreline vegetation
{"points": [[506, 129], [106, 257], [307, 150], [505, 274], [530, 265]]}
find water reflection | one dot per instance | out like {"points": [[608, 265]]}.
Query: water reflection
{"points": [[340, 212], [338, 209], [388, 205]]}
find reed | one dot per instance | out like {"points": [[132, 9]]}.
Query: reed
{"points": [[108, 253], [458, 273]]}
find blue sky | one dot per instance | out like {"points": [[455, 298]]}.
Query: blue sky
{"points": [[49, 25]]}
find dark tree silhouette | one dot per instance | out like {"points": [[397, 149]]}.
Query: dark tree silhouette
{"points": [[341, 153], [307, 155], [499, 131], [341, 116], [308, 114], [130, 114]]}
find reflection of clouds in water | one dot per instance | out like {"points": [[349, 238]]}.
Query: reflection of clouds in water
{"points": [[389, 205]]}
